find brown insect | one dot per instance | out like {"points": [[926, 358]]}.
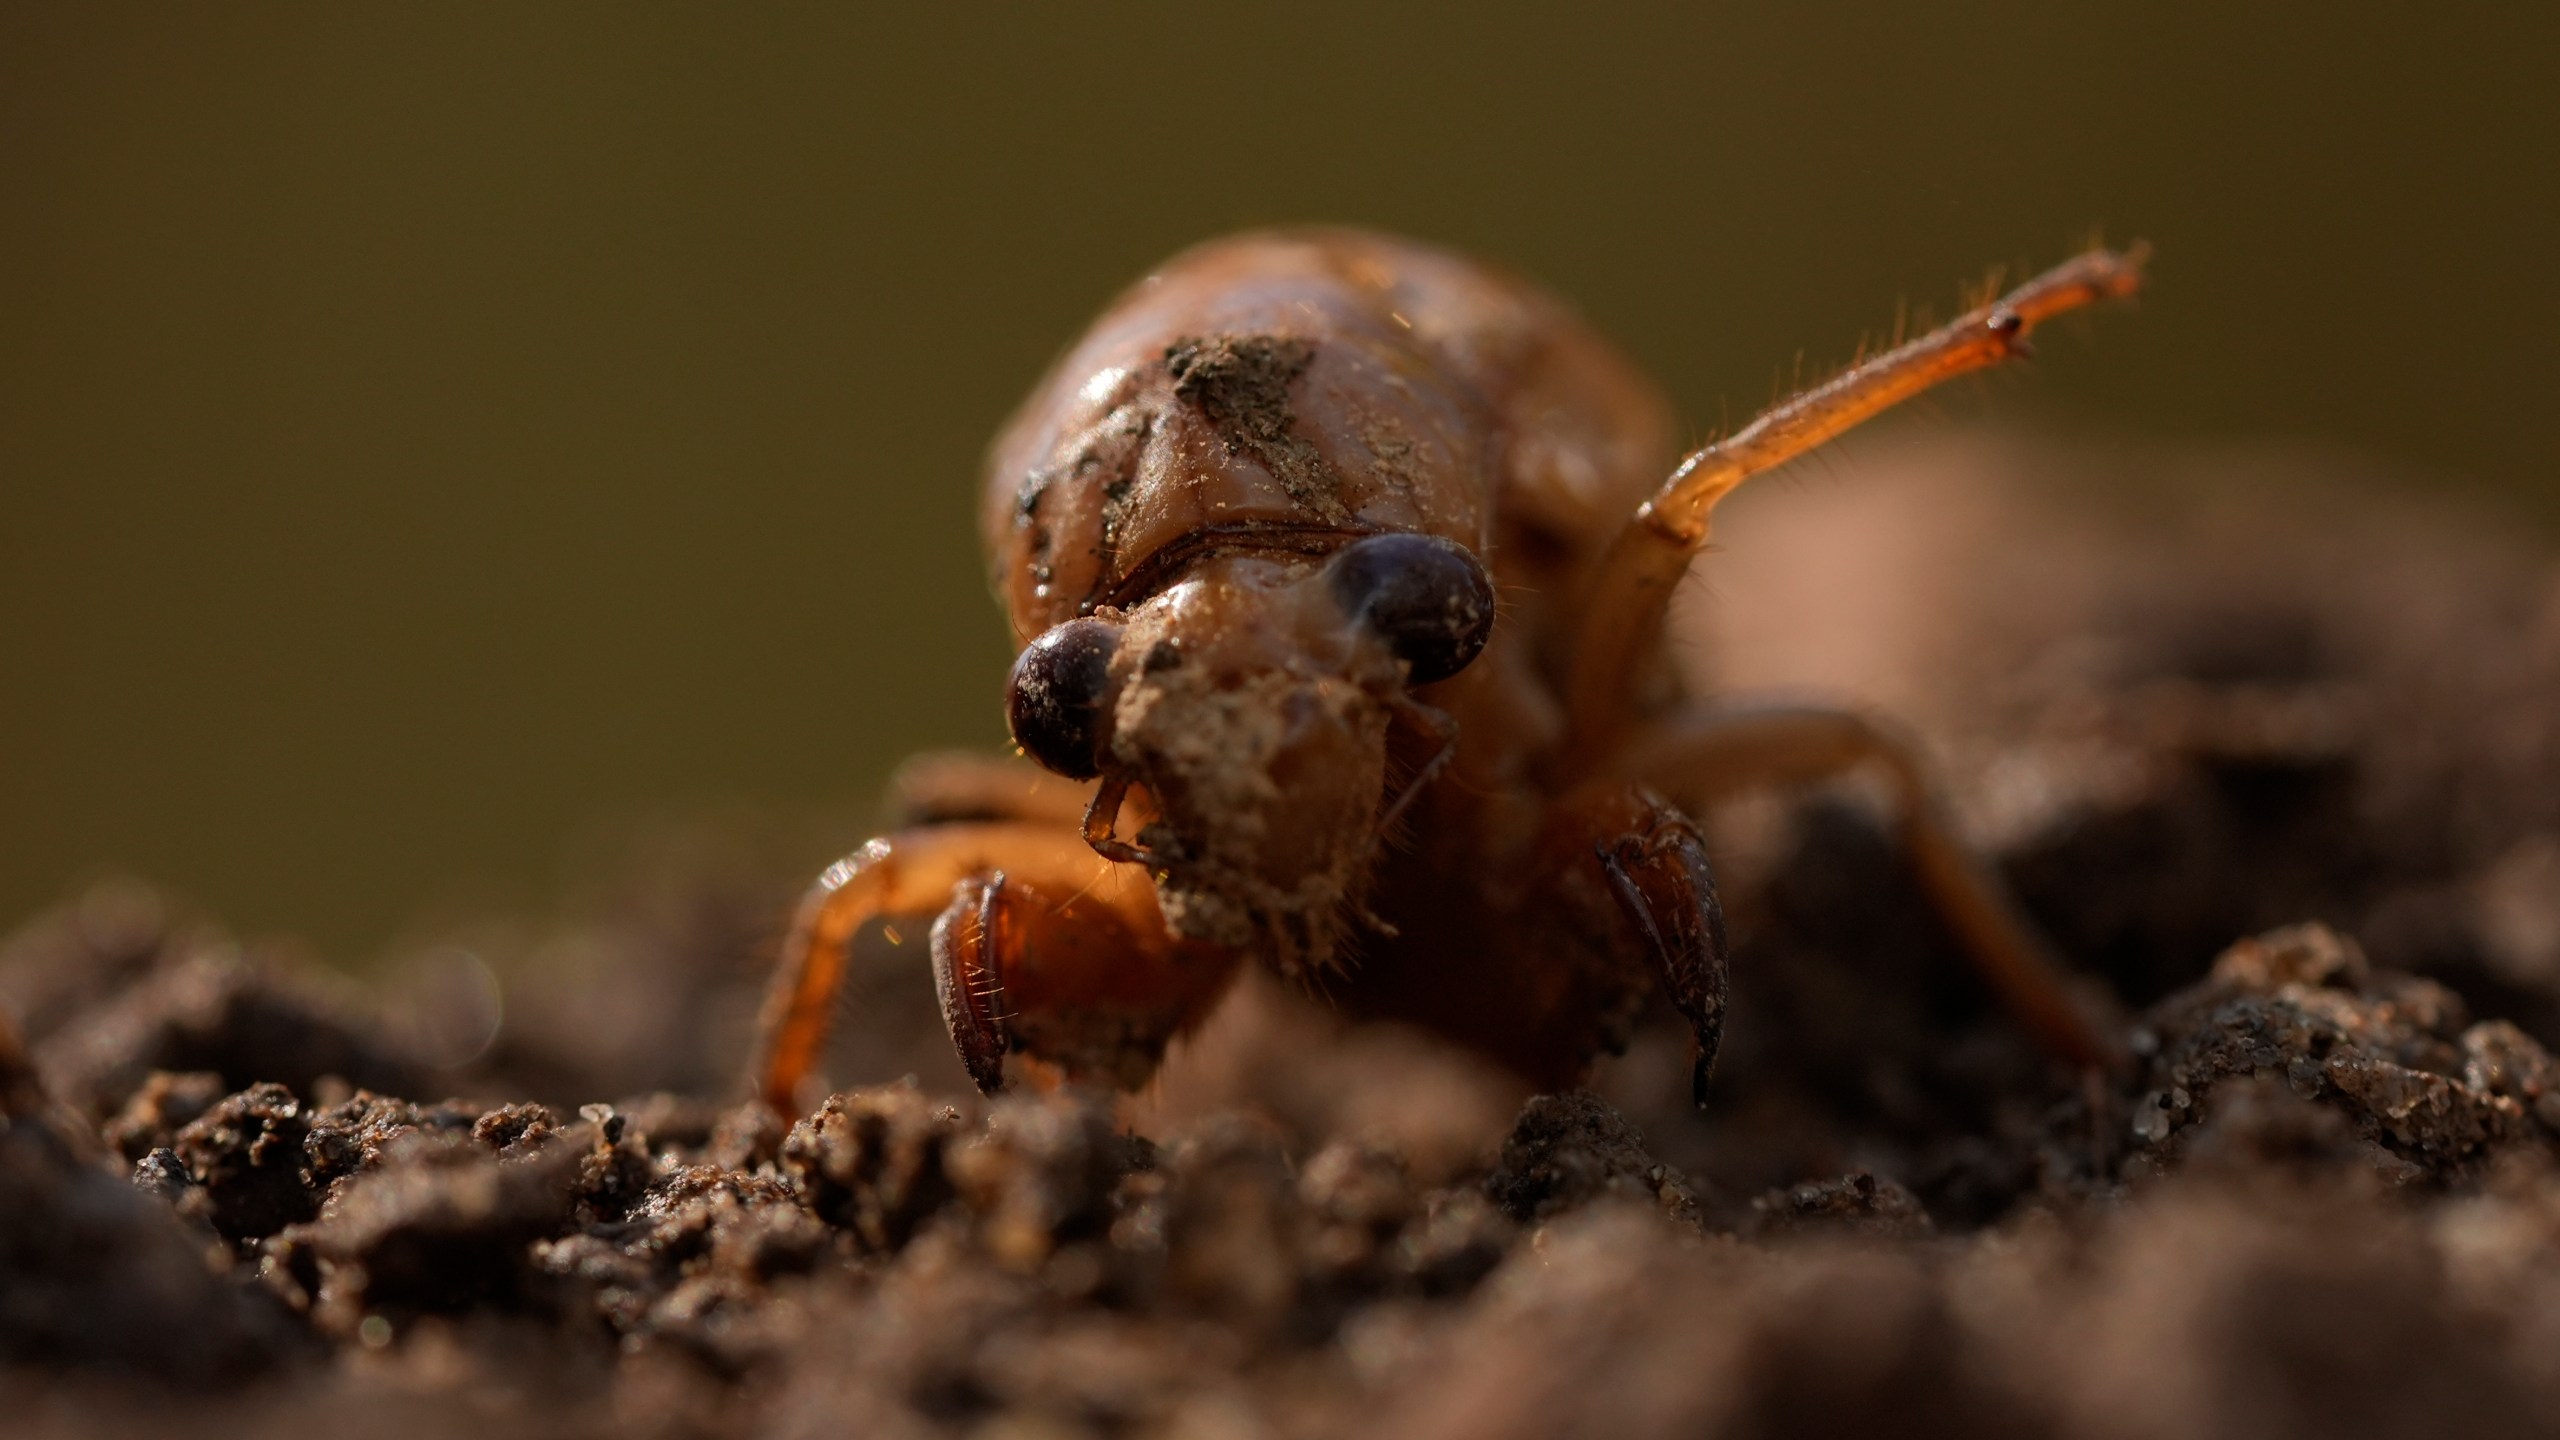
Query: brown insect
{"points": [[1341, 565]]}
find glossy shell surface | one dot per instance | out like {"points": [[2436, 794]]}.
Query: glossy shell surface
{"points": [[1285, 391]]}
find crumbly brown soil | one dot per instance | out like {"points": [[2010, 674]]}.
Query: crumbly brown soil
{"points": [[2282, 772]]}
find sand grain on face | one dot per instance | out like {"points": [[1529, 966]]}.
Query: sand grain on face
{"points": [[1217, 752]]}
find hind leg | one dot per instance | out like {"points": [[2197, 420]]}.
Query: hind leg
{"points": [[1707, 754]]}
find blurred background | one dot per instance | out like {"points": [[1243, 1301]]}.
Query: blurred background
{"points": [[432, 439]]}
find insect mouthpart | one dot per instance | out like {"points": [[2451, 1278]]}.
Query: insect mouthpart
{"points": [[1266, 786]]}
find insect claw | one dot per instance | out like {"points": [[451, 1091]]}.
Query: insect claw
{"points": [[1658, 872]]}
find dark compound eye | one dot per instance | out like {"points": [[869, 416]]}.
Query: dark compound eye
{"points": [[1428, 598], [1058, 701]]}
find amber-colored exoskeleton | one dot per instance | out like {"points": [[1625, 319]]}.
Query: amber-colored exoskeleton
{"points": [[1340, 566]]}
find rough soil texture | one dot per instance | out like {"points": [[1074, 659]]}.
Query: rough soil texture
{"points": [[2282, 772]]}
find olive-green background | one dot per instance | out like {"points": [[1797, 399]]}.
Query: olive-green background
{"points": [[429, 434]]}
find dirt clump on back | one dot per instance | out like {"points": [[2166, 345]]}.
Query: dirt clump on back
{"points": [[1240, 385], [2323, 1198]]}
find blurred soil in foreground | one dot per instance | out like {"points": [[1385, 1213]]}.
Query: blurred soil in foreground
{"points": [[2277, 761]]}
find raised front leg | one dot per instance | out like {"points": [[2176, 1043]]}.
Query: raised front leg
{"points": [[1623, 607], [1042, 948], [1708, 754]]}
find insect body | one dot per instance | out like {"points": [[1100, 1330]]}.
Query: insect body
{"points": [[1339, 565]]}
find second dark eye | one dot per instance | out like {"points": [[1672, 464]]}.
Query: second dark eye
{"points": [[1429, 599], [1058, 700]]}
